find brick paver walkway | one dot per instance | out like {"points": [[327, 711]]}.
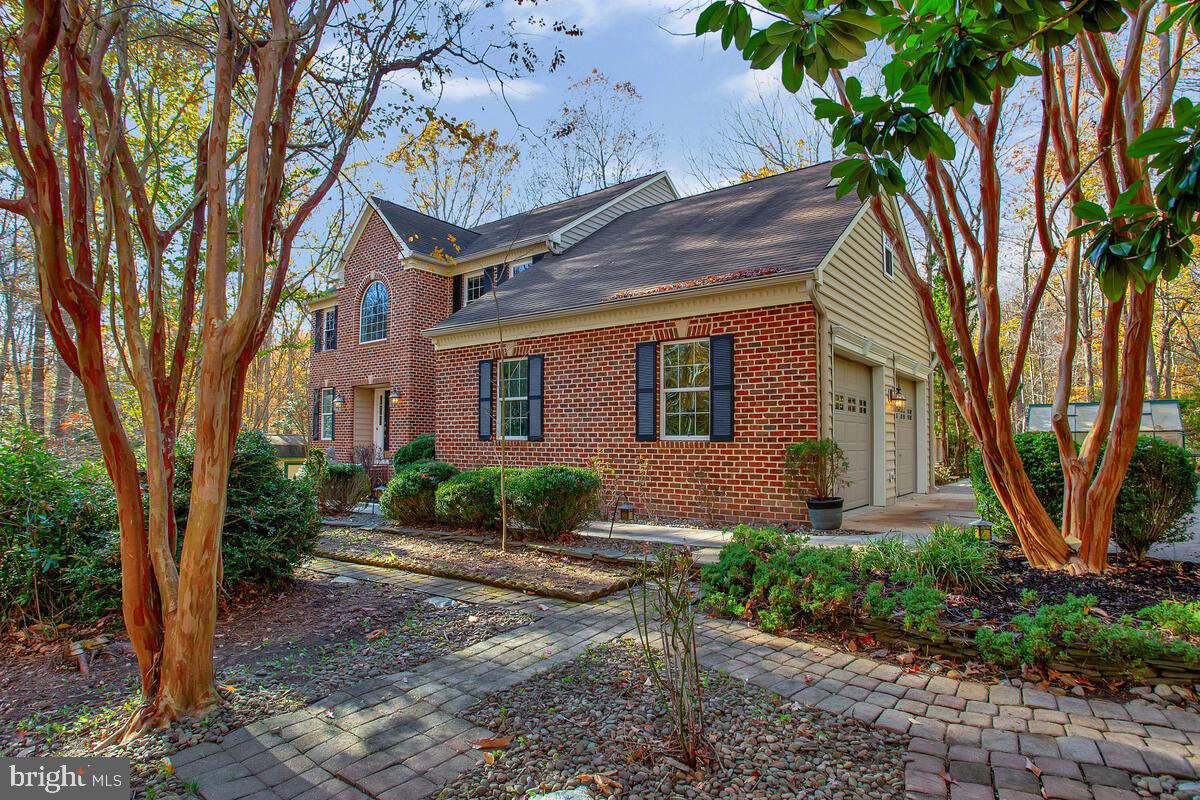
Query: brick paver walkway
{"points": [[400, 736]]}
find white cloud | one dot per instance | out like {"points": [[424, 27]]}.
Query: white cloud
{"points": [[594, 16], [458, 88], [751, 82]]}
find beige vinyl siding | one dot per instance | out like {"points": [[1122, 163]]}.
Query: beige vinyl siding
{"points": [[364, 403], [651, 194], [861, 300]]}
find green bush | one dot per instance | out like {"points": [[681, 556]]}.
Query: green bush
{"points": [[271, 522], [470, 499], [1045, 636], [1039, 455], [955, 560], [59, 549], [1155, 503], [1181, 619], [783, 580], [409, 495], [923, 605], [418, 450], [316, 469], [554, 500], [344, 487], [885, 556]]}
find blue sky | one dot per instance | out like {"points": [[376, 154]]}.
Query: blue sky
{"points": [[687, 82]]}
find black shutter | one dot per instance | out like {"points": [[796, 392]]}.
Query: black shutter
{"points": [[387, 419], [331, 341], [317, 415], [485, 399], [536, 433], [456, 299], [318, 330], [720, 350], [647, 391]]}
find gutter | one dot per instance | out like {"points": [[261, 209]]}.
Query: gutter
{"points": [[551, 244], [804, 276]]}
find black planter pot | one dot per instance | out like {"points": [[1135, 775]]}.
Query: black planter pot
{"points": [[825, 515]]}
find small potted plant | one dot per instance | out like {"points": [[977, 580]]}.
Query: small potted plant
{"points": [[816, 471]]}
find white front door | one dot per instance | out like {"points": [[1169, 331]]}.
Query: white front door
{"points": [[379, 421]]}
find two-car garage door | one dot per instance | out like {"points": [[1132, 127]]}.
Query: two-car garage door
{"points": [[852, 427]]}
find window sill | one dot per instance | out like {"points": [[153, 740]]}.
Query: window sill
{"points": [[374, 341]]}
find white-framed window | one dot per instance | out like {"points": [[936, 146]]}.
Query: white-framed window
{"points": [[330, 332], [889, 255], [517, 269], [327, 415], [473, 286], [686, 390], [372, 317], [513, 392]]}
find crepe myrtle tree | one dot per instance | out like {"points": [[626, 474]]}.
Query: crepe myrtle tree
{"points": [[1121, 173], [167, 157]]}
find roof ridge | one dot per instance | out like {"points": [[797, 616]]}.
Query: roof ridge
{"points": [[740, 184], [423, 214]]}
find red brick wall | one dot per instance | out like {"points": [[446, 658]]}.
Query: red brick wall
{"points": [[404, 360], [589, 413]]}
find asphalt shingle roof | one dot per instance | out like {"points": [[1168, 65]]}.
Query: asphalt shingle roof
{"points": [[784, 223], [423, 233]]}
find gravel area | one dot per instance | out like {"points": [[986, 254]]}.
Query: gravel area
{"points": [[596, 722], [478, 559], [274, 655]]}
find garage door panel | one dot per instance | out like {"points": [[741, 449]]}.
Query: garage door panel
{"points": [[906, 440], [852, 428]]}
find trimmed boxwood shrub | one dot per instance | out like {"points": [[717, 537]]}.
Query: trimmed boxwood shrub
{"points": [[470, 499], [409, 496], [418, 450], [344, 486], [553, 500], [271, 521], [1039, 455], [1154, 503]]}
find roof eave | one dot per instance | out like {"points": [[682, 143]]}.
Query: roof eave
{"points": [[645, 299]]}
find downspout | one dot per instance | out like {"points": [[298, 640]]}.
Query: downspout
{"points": [[824, 425]]}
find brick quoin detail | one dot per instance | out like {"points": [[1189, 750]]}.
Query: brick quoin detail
{"points": [[404, 360], [589, 413]]}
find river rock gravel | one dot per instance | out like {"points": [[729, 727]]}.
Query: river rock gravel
{"points": [[597, 723]]}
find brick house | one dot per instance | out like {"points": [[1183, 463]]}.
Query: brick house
{"points": [[682, 342]]}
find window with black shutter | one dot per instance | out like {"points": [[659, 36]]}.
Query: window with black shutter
{"points": [[485, 399], [536, 382], [318, 330], [646, 386], [720, 349]]}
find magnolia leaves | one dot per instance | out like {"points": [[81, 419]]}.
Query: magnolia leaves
{"points": [[811, 41], [1138, 242]]}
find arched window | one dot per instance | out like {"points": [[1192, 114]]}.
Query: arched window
{"points": [[372, 315]]}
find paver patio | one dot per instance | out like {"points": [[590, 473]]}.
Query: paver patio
{"points": [[400, 736]]}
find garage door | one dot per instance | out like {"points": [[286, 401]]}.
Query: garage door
{"points": [[852, 427], [906, 441]]}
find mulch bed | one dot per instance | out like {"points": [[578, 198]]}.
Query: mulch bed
{"points": [[520, 568], [1126, 588], [274, 653], [595, 722]]}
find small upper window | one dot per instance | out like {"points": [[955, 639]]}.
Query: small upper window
{"points": [[888, 256], [686, 390], [372, 320], [473, 287], [330, 332]]}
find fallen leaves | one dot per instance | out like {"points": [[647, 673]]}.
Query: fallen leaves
{"points": [[492, 743], [378, 633], [604, 782]]}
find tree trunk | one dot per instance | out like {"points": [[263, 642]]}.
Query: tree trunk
{"points": [[1039, 537], [37, 372]]}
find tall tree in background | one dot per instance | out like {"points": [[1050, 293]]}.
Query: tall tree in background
{"points": [[457, 172], [120, 209], [955, 65], [598, 138]]}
